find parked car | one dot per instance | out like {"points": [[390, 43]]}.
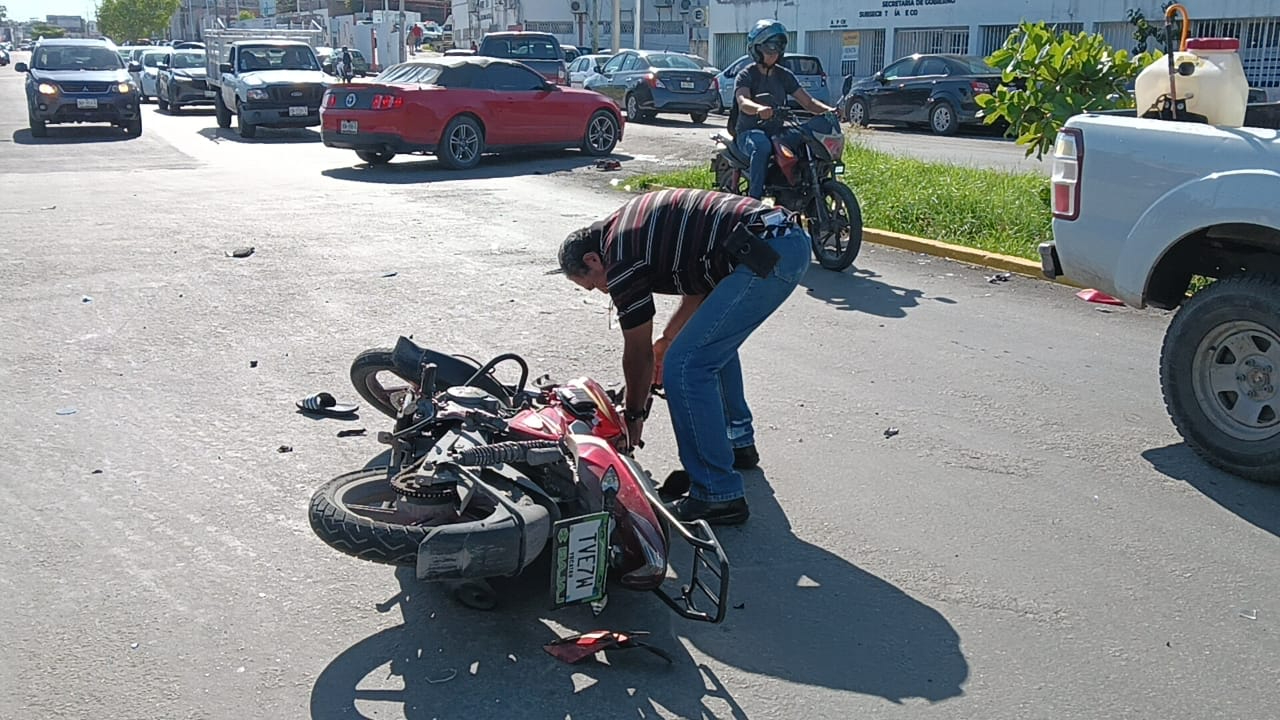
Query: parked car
{"points": [[329, 59], [147, 77], [540, 51], [807, 69], [584, 67], [648, 82], [461, 107], [76, 81], [181, 81], [4, 58], [937, 90]]}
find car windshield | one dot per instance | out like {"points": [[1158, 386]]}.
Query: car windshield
{"points": [[187, 60], [277, 58], [76, 57], [521, 48], [411, 73], [153, 59], [673, 61], [976, 66], [803, 65]]}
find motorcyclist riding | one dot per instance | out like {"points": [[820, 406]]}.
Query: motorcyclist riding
{"points": [[760, 88]]}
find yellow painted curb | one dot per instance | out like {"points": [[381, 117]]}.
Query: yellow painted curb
{"points": [[959, 253]]}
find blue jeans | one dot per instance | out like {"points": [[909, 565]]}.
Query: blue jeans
{"points": [[703, 376], [757, 146]]}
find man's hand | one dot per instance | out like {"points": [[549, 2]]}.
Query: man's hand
{"points": [[765, 112], [660, 347], [635, 429]]}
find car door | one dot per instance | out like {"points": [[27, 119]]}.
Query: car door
{"points": [[918, 88], [729, 78], [607, 84], [884, 98], [631, 75], [517, 93]]}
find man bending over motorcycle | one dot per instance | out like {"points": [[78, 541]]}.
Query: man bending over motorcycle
{"points": [[733, 261], [758, 89]]}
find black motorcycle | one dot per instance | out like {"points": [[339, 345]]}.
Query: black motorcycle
{"points": [[802, 177]]}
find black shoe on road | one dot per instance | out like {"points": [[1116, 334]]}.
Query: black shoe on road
{"points": [[728, 512]]}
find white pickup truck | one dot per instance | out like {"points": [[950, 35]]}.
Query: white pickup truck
{"points": [[265, 78], [1144, 207]]}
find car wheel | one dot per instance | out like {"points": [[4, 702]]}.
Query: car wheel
{"points": [[38, 128], [1220, 373], [602, 134], [634, 113], [162, 103], [374, 157], [698, 117], [942, 119], [222, 111], [461, 143], [133, 128], [856, 112], [247, 130]]}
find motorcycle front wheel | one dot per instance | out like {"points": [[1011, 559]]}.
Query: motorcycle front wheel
{"points": [[374, 376], [838, 239]]}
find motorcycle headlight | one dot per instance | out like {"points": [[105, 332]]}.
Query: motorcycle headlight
{"points": [[47, 89], [124, 88], [257, 94]]}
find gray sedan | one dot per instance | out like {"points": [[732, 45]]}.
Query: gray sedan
{"points": [[648, 82]]}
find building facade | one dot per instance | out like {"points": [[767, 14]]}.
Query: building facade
{"points": [[679, 25], [859, 37]]}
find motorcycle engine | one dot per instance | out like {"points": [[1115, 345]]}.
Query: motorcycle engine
{"points": [[472, 398]]}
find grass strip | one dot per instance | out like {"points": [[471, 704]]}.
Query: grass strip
{"points": [[990, 210]]}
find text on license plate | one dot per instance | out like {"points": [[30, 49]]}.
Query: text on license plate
{"points": [[579, 565], [349, 127], [86, 103], [297, 111], [686, 85]]}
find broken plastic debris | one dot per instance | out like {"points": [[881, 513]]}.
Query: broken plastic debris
{"points": [[240, 669], [890, 432], [351, 432], [253, 363], [475, 667], [1249, 614], [999, 278], [1093, 296], [740, 606], [66, 411], [390, 274], [511, 657], [49, 207], [240, 252], [807, 582], [133, 646], [86, 299], [284, 449], [582, 682], [96, 472], [445, 677]]}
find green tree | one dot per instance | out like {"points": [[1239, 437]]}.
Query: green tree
{"points": [[247, 15], [1049, 76], [4, 14], [127, 20], [39, 30]]}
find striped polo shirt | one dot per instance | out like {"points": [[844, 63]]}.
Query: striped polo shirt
{"points": [[669, 242]]}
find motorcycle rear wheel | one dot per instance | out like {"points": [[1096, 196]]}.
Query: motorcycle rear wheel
{"points": [[334, 520], [451, 371], [836, 242]]}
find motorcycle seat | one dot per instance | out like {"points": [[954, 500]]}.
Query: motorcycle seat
{"points": [[408, 358], [735, 154]]}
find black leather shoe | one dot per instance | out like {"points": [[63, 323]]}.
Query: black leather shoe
{"points": [[746, 458], [729, 512], [675, 486]]}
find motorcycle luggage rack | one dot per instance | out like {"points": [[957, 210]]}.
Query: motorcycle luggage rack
{"points": [[707, 555]]}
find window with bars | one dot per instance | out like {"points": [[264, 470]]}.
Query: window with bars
{"points": [[555, 27], [937, 40]]}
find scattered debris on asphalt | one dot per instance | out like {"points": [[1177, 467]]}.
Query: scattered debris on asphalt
{"points": [[446, 677], [511, 657], [475, 667], [253, 363], [740, 606], [96, 472], [49, 207], [351, 433], [1249, 615], [393, 273], [133, 646], [285, 449], [86, 299], [66, 411], [999, 278], [807, 582], [240, 252], [891, 431], [608, 165], [1094, 296], [576, 648]]}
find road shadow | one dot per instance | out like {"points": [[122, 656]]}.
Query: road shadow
{"points": [[799, 614], [966, 132], [428, 169], [73, 135], [677, 120], [1256, 503], [193, 111], [860, 290], [265, 136]]}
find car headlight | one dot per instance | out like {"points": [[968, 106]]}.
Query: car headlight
{"points": [[124, 88], [257, 94], [47, 89]]}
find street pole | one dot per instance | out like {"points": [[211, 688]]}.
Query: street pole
{"points": [[639, 21], [595, 25], [404, 35], [617, 25]]}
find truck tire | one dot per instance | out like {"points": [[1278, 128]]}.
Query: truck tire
{"points": [[247, 130], [221, 110], [1220, 374]]}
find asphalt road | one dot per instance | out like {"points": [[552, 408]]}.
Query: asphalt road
{"points": [[1035, 542]]}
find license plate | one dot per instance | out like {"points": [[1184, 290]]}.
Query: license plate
{"points": [[87, 103], [297, 111], [349, 127], [209, 93], [579, 567], [839, 169], [686, 85]]}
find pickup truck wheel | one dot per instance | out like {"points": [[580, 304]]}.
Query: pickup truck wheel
{"points": [[461, 144], [222, 111], [1220, 373], [247, 130], [942, 119]]}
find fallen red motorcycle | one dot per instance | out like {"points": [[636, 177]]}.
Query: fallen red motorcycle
{"points": [[485, 479], [803, 176]]}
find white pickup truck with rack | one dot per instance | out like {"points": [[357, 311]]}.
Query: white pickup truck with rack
{"points": [[265, 78], [1144, 207]]}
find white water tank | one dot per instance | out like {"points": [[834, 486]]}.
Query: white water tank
{"points": [[1210, 80]]}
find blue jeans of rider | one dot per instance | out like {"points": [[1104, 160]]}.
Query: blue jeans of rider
{"points": [[757, 146], [703, 376]]}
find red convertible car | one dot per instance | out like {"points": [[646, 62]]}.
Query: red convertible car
{"points": [[458, 108]]}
